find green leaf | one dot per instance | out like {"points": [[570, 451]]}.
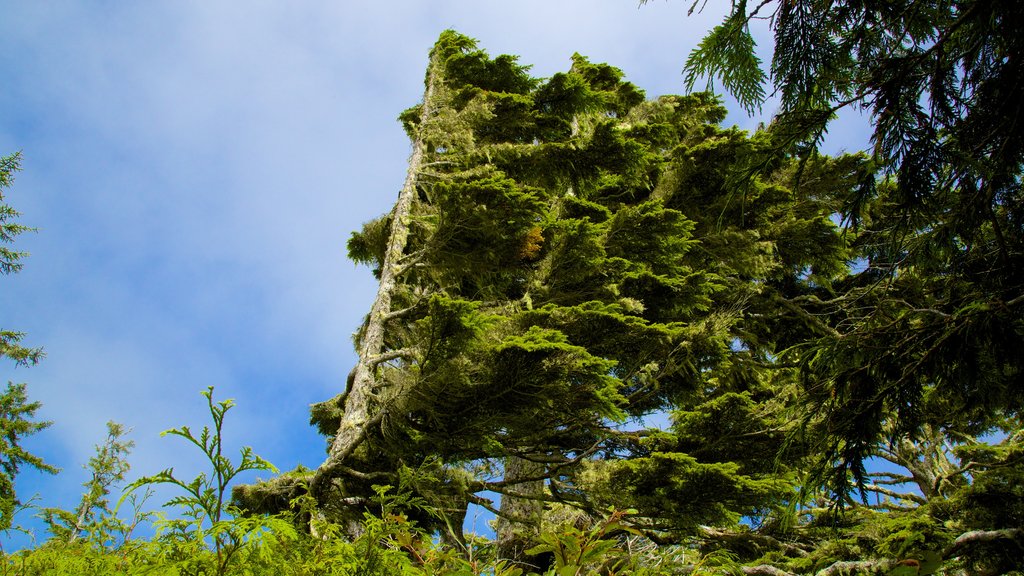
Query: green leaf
{"points": [[728, 52]]}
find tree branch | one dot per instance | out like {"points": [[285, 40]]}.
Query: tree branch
{"points": [[403, 312], [892, 476], [894, 494], [853, 567], [967, 539], [376, 359], [488, 504], [764, 570], [764, 539], [342, 469], [408, 261]]}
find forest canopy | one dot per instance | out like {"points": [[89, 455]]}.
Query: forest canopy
{"points": [[652, 344]]}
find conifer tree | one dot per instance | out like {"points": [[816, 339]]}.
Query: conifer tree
{"points": [[565, 258], [16, 411], [918, 358], [10, 261], [936, 216], [568, 258]]}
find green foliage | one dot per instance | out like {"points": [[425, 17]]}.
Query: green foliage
{"points": [[10, 346], [368, 245], [728, 52], [10, 261], [924, 333], [16, 422], [93, 518], [16, 411], [577, 552], [203, 503], [679, 492], [389, 543], [569, 261], [574, 258], [61, 558], [993, 503]]}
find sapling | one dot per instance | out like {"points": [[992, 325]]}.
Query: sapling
{"points": [[203, 502]]}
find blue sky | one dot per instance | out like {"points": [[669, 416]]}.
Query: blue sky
{"points": [[194, 169]]}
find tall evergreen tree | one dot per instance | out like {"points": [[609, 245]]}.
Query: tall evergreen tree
{"points": [[565, 259], [10, 261], [16, 411]]}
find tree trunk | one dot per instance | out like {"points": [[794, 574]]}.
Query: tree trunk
{"points": [[357, 410], [518, 526]]}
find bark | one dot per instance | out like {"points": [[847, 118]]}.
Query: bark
{"points": [[83, 512], [1008, 536], [518, 523], [358, 410], [764, 570], [858, 567]]}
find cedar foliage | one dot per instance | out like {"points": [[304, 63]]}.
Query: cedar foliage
{"points": [[929, 333]]}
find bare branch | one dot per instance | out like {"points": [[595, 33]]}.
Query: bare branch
{"points": [[967, 539], [499, 485], [403, 312], [890, 478], [1016, 300], [764, 570], [342, 469], [389, 356], [488, 504], [894, 494], [408, 261], [762, 539], [854, 567], [438, 163]]}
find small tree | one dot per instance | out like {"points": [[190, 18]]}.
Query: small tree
{"points": [[204, 502], [16, 422], [93, 517], [10, 260]]}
